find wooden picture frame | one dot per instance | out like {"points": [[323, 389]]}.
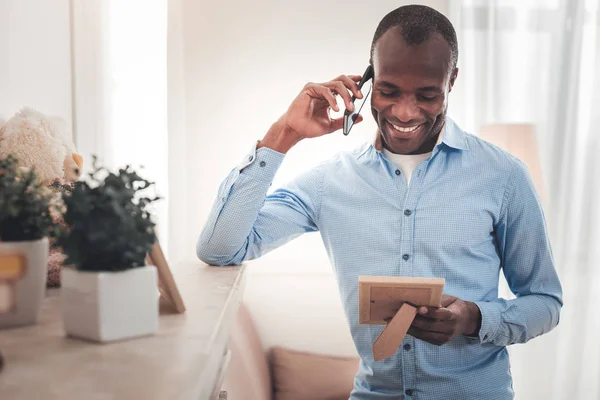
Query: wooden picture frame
{"points": [[380, 297], [393, 301], [166, 283]]}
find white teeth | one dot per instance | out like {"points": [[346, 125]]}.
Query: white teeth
{"points": [[409, 129]]}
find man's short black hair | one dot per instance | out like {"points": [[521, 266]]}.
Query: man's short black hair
{"points": [[418, 23]]}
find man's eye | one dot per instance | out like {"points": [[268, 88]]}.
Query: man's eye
{"points": [[427, 98], [387, 94]]}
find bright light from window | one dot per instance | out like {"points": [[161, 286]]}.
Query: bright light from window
{"points": [[137, 83]]}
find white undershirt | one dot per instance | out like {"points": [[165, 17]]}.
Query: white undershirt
{"points": [[408, 163]]}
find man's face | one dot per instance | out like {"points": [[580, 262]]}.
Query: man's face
{"points": [[410, 91]]}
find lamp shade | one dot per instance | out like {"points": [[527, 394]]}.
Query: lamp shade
{"points": [[520, 141]]}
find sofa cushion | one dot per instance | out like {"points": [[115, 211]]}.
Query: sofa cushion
{"points": [[306, 376]]}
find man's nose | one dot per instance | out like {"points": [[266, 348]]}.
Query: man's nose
{"points": [[406, 109]]}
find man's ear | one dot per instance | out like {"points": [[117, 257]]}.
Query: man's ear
{"points": [[452, 79]]}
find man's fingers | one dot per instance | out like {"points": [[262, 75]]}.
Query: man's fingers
{"points": [[319, 91], [432, 325], [328, 94], [435, 338], [350, 84], [446, 300], [442, 314], [339, 88], [342, 85], [338, 123]]}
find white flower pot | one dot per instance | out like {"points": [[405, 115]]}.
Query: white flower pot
{"points": [[28, 290], [108, 306]]}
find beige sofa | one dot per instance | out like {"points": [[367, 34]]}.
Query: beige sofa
{"points": [[282, 374]]}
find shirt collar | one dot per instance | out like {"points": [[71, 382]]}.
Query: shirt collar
{"points": [[452, 136]]}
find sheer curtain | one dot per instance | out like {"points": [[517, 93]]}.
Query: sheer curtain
{"points": [[119, 57], [537, 62]]}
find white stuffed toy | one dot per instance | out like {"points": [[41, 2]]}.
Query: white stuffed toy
{"points": [[43, 143]]}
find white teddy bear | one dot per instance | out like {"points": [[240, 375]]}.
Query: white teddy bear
{"points": [[42, 143]]}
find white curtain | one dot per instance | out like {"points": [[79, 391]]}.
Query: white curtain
{"points": [[119, 57], [538, 62]]}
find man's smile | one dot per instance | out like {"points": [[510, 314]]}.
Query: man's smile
{"points": [[403, 132]]}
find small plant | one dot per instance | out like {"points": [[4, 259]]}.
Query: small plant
{"points": [[109, 227], [26, 205]]}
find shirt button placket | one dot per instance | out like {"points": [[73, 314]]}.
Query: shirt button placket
{"points": [[409, 356]]}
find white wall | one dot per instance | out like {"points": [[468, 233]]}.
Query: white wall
{"points": [[242, 64], [35, 61]]}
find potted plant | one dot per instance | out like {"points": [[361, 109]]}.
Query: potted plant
{"points": [[108, 292], [26, 210]]}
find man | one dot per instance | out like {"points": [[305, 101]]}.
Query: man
{"points": [[425, 199]]}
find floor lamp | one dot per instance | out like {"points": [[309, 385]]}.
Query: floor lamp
{"points": [[520, 141]]}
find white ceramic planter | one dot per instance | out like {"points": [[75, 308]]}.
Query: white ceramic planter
{"points": [[108, 306], [31, 288]]}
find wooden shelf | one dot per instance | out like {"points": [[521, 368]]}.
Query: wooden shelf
{"points": [[182, 361]]}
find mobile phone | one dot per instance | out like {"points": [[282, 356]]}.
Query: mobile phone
{"points": [[365, 85]]}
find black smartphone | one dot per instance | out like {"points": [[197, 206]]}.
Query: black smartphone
{"points": [[365, 85]]}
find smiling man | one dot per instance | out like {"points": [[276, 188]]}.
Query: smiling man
{"points": [[425, 199]]}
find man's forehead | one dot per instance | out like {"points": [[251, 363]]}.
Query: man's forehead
{"points": [[393, 54]]}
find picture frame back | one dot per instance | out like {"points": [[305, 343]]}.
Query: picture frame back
{"points": [[166, 283], [380, 297]]}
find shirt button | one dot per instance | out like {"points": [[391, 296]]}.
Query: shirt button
{"points": [[250, 158], [407, 212], [407, 347], [406, 257], [409, 392], [397, 172], [262, 163]]}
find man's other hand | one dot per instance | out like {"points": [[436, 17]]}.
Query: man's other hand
{"points": [[439, 325]]}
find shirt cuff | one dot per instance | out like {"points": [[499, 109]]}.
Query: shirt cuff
{"points": [[491, 319], [262, 163]]}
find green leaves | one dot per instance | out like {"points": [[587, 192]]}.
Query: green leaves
{"points": [[26, 205], [108, 224], [110, 227]]}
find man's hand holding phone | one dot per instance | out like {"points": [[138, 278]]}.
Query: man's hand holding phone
{"points": [[308, 115]]}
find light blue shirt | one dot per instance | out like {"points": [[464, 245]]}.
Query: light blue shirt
{"points": [[470, 212]]}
